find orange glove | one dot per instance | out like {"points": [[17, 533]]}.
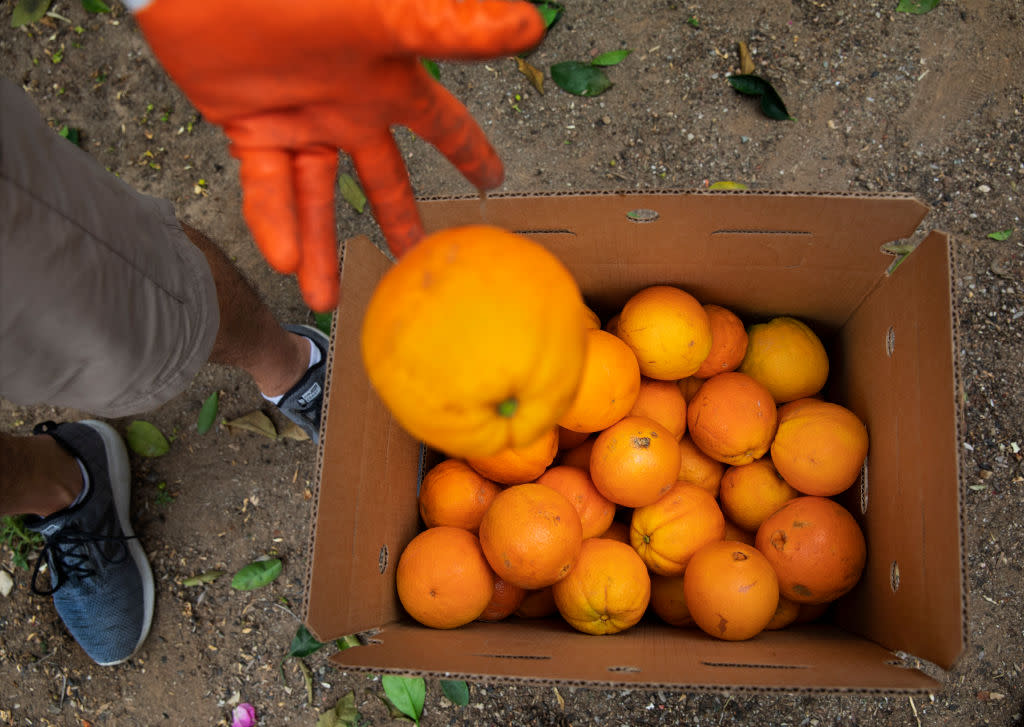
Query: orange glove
{"points": [[291, 83]]}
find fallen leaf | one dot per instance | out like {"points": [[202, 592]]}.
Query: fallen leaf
{"points": [[727, 185], [307, 678], [255, 421], [580, 79], [456, 690], [208, 577], [746, 60], [208, 414], [28, 11], [257, 574], [612, 57], [351, 192], [145, 439], [771, 102], [344, 713], [291, 430], [432, 68], [533, 74], [1001, 235], [917, 7]]}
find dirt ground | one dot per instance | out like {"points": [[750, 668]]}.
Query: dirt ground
{"points": [[883, 101]]}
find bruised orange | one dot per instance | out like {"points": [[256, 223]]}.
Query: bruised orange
{"points": [[608, 387], [728, 342], [731, 590], [453, 493], [816, 548], [443, 579], [663, 402], [820, 446], [668, 330], [531, 535], [517, 465], [475, 340], [732, 418], [595, 510], [634, 462], [607, 591], [668, 532]]}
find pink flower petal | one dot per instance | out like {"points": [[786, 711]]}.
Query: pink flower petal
{"points": [[244, 715]]}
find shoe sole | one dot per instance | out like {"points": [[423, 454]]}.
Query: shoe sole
{"points": [[120, 483]]}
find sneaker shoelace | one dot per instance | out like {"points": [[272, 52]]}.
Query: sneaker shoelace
{"points": [[72, 553]]}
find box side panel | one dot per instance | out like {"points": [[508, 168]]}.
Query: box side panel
{"points": [[896, 358], [764, 253], [649, 654], [367, 477]]}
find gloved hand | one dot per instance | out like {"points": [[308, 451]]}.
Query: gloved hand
{"points": [[291, 83]]}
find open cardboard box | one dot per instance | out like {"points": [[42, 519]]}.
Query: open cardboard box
{"points": [[815, 256]]}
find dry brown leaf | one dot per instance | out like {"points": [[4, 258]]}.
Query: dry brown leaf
{"points": [[535, 75], [255, 421], [291, 430], [746, 60]]}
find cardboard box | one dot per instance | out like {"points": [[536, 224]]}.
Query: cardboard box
{"points": [[891, 339]]}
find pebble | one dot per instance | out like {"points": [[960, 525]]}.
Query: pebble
{"points": [[984, 188], [6, 583]]}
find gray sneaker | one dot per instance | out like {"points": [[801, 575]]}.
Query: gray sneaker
{"points": [[100, 578], [302, 403]]}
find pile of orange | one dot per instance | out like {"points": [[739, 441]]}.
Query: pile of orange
{"points": [[676, 462]]}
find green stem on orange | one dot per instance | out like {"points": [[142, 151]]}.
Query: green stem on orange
{"points": [[508, 407]]}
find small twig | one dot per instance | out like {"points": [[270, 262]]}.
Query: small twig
{"points": [[63, 691], [913, 708], [58, 16]]}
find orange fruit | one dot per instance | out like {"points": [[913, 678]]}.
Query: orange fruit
{"points": [[663, 402], [567, 438], [607, 591], [735, 532], [537, 604], [751, 492], [786, 357], [517, 465], [688, 386], [728, 342], [612, 326], [731, 590], [590, 318], [617, 531], [732, 418], [696, 468], [820, 446], [453, 493], [785, 614], [668, 330], [443, 579], [669, 601], [475, 340], [668, 532], [579, 456], [608, 387], [816, 548], [531, 535], [634, 462], [505, 599], [596, 512]]}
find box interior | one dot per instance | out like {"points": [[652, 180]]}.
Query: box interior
{"points": [[817, 257]]}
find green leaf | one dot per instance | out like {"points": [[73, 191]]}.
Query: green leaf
{"points": [[693, 22], [406, 693], [344, 713], [580, 79], [70, 133], [917, 7], [347, 642], [304, 643], [432, 68], [208, 577], [352, 192], [95, 6], [549, 11], [323, 322], [208, 414], [612, 57], [145, 439], [771, 102], [1001, 235], [456, 690], [256, 575], [28, 11]]}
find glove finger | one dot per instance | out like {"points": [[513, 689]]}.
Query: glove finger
{"points": [[466, 29], [315, 173], [448, 125], [268, 204], [386, 184]]}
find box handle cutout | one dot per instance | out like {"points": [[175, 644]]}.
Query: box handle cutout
{"points": [[734, 665], [535, 657], [631, 669], [545, 232], [642, 215], [864, 488], [761, 232], [890, 341], [382, 559], [894, 576]]}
